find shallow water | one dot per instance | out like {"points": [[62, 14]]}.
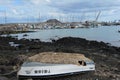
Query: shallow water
{"points": [[108, 34]]}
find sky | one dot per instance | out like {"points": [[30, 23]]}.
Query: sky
{"points": [[12, 11]]}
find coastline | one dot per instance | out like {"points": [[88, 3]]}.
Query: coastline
{"points": [[13, 32], [107, 58]]}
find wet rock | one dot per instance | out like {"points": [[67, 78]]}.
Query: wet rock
{"points": [[106, 57], [3, 78], [112, 76], [19, 59]]}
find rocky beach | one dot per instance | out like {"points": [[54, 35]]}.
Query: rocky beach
{"points": [[32, 29], [106, 57]]}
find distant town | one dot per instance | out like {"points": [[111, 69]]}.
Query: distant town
{"points": [[54, 24]]}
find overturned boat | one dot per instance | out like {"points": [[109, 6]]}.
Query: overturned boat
{"points": [[50, 64]]}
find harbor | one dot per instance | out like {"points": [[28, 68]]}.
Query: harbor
{"points": [[54, 24], [21, 41], [59, 40], [88, 33]]}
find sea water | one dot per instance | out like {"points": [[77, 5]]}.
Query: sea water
{"points": [[107, 34]]}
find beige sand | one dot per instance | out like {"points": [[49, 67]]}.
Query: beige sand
{"points": [[58, 58]]}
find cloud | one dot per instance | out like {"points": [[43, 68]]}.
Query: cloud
{"points": [[40, 2], [36, 2], [56, 8], [15, 11], [48, 1], [5, 2], [86, 5], [56, 14]]}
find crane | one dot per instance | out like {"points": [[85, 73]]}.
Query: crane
{"points": [[97, 16], [95, 22]]}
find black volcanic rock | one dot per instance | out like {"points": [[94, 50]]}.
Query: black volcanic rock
{"points": [[106, 57]]}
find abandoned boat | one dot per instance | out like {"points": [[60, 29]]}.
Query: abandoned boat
{"points": [[49, 64]]}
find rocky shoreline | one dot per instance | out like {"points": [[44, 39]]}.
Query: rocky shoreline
{"points": [[106, 57], [13, 32]]}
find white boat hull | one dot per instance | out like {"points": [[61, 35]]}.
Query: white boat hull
{"points": [[53, 70]]}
